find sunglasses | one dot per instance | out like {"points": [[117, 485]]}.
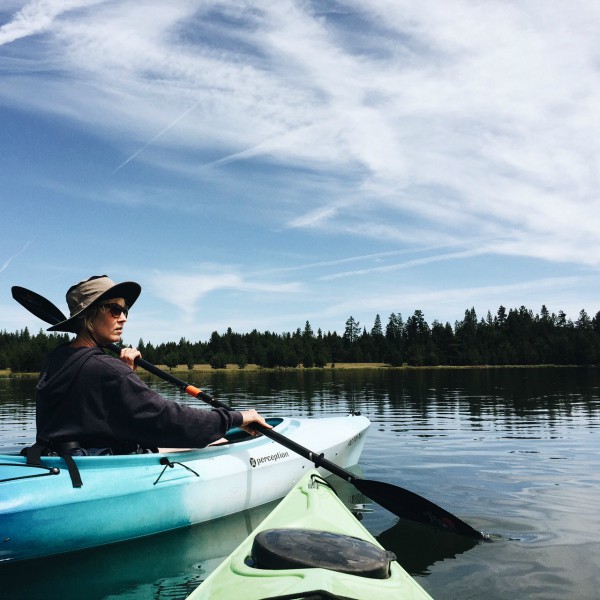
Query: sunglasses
{"points": [[115, 309]]}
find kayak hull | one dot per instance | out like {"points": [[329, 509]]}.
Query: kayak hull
{"points": [[126, 497], [309, 506]]}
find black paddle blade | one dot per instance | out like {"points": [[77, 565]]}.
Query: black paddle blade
{"points": [[408, 505], [37, 305]]}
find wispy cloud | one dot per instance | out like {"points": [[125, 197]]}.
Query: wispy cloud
{"points": [[186, 290], [499, 120], [417, 262], [38, 16]]}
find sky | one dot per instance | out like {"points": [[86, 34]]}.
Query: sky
{"points": [[258, 165]]}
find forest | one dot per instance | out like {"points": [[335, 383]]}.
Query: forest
{"points": [[510, 337]]}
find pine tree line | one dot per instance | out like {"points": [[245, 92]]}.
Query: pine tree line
{"points": [[24, 352], [513, 337]]}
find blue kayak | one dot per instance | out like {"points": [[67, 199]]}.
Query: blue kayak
{"points": [[127, 497]]}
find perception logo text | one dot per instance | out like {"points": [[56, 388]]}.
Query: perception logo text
{"points": [[255, 462]]}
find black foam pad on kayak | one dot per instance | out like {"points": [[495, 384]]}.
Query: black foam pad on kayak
{"points": [[308, 548]]}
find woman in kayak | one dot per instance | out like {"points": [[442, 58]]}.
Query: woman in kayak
{"points": [[90, 403]]}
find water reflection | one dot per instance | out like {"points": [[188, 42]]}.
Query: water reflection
{"points": [[418, 547], [17, 411], [170, 565], [523, 399]]}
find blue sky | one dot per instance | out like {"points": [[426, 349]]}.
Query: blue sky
{"points": [[261, 164]]}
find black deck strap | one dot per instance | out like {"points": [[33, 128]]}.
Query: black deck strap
{"points": [[165, 461], [72, 468], [34, 453]]}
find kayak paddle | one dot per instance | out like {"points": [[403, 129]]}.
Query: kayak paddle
{"points": [[401, 502]]}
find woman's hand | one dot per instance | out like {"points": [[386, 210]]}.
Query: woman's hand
{"points": [[128, 356], [251, 416]]}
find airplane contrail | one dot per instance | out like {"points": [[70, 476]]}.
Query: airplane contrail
{"points": [[158, 135], [9, 260]]}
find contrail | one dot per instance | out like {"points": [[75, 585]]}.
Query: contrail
{"points": [[237, 155], [7, 262], [158, 135]]}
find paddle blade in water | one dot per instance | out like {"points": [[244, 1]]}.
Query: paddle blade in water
{"points": [[408, 505]]}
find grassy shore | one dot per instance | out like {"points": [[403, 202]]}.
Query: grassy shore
{"points": [[253, 367], [351, 366], [206, 368]]}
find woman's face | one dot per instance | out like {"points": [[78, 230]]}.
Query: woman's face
{"points": [[108, 323]]}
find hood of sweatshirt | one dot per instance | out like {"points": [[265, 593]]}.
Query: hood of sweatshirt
{"points": [[60, 371]]}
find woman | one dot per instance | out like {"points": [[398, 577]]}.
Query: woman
{"points": [[90, 403]]}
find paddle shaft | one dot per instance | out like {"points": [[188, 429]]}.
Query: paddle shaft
{"points": [[317, 459]]}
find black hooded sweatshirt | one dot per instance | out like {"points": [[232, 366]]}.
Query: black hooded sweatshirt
{"points": [[86, 396]]}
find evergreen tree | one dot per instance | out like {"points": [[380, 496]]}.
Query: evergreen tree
{"points": [[584, 322], [377, 330], [352, 330], [378, 346]]}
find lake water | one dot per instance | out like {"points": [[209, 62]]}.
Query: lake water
{"points": [[513, 452]]}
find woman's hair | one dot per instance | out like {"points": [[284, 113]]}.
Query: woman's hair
{"points": [[85, 320]]}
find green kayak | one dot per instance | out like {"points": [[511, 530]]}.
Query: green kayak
{"points": [[311, 546]]}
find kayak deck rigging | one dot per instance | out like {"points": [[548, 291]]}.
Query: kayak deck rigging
{"points": [[49, 471], [33, 455], [168, 464]]}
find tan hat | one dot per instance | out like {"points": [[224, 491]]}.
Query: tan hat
{"points": [[84, 294]]}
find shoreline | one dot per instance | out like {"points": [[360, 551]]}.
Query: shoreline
{"points": [[252, 368]]}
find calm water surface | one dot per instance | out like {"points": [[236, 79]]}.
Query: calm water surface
{"points": [[514, 452]]}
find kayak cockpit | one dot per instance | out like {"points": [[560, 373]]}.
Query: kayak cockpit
{"points": [[235, 435]]}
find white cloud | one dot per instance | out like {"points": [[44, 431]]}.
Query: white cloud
{"points": [[186, 290], [39, 16]]}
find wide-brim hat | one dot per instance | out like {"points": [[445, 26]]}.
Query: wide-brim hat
{"points": [[88, 292]]}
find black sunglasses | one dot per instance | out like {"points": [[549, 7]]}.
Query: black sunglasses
{"points": [[115, 309]]}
